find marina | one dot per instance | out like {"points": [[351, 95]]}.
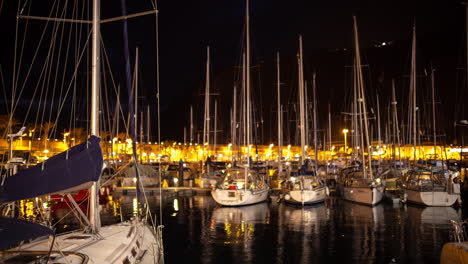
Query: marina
{"points": [[333, 141], [331, 232]]}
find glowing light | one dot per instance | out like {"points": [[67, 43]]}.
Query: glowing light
{"points": [[46, 151], [135, 206], [176, 205]]}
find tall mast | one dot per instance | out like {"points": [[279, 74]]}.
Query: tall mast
{"points": [[191, 123], [306, 112], [379, 136], [301, 100], [314, 91], [206, 130], [234, 118], [247, 74], [433, 111], [329, 129], [396, 129], [280, 136], [413, 89], [215, 125], [95, 87], [362, 98], [148, 123]]}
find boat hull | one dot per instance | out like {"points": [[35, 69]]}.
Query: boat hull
{"points": [[127, 242], [363, 195], [431, 198], [239, 197], [306, 197]]}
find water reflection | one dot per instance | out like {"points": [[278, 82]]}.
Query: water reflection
{"points": [[428, 224], [301, 227], [236, 227], [197, 230]]}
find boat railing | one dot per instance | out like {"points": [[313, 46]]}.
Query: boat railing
{"points": [[459, 231]]}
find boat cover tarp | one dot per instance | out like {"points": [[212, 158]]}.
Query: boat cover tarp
{"points": [[72, 170], [14, 230]]}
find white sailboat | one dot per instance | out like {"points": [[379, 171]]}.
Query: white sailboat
{"points": [[243, 186], [127, 242], [308, 187], [426, 186], [357, 183]]}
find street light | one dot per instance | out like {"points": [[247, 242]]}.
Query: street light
{"points": [[345, 132]]}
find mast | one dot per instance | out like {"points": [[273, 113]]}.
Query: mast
{"points": [[234, 120], [329, 130], [95, 220], [362, 98], [396, 129], [215, 128], [314, 90], [301, 100], [247, 76], [379, 136], [278, 92], [206, 128], [433, 111], [413, 89], [306, 113], [148, 123], [191, 124]]}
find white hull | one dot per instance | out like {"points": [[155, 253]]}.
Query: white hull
{"points": [[431, 198], [120, 243], [363, 195], [239, 197], [305, 197]]}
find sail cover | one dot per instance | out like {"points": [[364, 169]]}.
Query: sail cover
{"points": [[72, 170], [13, 231]]}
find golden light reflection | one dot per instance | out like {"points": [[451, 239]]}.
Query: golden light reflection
{"points": [[135, 206]]}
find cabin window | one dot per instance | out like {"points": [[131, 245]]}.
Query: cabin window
{"points": [[126, 261]]}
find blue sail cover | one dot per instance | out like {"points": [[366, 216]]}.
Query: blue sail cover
{"points": [[61, 173], [14, 230]]}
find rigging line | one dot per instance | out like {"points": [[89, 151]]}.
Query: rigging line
{"points": [[106, 57], [66, 57], [74, 75], [57, 26], [106, 103], [158, 109], [14, 82], [4, 90], [16, 74]]}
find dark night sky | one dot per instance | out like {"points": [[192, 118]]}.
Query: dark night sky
{"points": [[187, 27]]}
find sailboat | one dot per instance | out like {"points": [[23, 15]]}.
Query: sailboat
{"points": [[429, 186], [308, 187], [79, 167], [243, 186], [357, 183]]}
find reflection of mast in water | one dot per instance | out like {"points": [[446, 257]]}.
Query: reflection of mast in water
{"points": [[433, 223], [366, 222], [236, 225], [308, 222]]}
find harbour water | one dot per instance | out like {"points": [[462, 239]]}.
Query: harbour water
{"points": [[197, 230]]}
